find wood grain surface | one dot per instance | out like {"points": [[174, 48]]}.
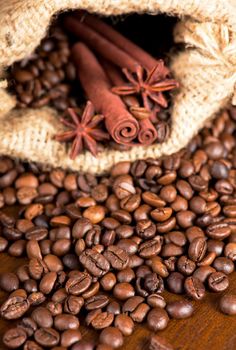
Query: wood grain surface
{"points": [[208, 329]]}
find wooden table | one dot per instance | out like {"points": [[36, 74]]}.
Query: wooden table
{"points": [[208, 329]]}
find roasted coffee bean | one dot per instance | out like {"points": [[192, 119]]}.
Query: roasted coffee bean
{"points": [[94, 262], [42, 317], [145, 229], [114, 308], [125, 324], [96, 302], [9, 282], [157, 319], [185, 265], [63, 322], [14, 307], [102, 320], [36, 298], [150, 247], [47, 337], [140, 313], [194, 288], [31, 345], [83, 345], [28, 324], [180, 309], [47, 283], [218, 282], [14, 338], [215, 246], [123, 291], [218, 231], [54, 308], [78, 284], [73, 304], [156, 300], [230, 251], [69, 337], [108, 281], [197, 249], [159, 343], [224, 265], [111, 335], [175, 282], [117, 257], [131, 304], [228, 304]]}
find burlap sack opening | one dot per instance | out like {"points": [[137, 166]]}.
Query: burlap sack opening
{"points": [[206, 72]]}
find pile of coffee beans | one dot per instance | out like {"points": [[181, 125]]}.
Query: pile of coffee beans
{"points": [[47, 77], [101, 250]]}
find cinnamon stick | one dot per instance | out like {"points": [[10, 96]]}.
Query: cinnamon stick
{"points": [[147, 133], [99, 44], [121, 125], [108, 32]]}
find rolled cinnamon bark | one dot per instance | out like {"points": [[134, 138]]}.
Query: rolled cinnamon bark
{"points": [[100, 44], [121, 125], [147, 133], [108, 32]]}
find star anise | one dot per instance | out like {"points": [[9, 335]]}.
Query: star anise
{"points": [[149, 84], [83, 131]]}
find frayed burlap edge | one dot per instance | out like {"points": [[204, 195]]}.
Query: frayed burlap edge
{"points": [[206, 72]]}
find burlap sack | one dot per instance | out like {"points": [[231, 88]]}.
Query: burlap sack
{"points": [[206, 72]]}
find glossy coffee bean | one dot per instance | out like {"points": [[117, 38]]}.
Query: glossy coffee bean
{"points": [[227, 304], [180, 309], [218, 282], [157, 319]]}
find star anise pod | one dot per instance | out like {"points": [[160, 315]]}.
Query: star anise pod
{"points": [[84, 131], [149, 84]]}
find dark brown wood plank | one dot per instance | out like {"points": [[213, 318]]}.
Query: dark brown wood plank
{"points": [[207, 329]]}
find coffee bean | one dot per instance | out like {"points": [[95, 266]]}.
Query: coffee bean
{"points": [[94, 262], [111, 335], [42, 317], [218, 231], [96, 302], [83, 345], [185, 265], [224, 265], [180, 309], [150, 247], [157, 319], [230, 251], [47, 283], [114, 308], [102, 320], [218, 282], [9, 281], [63, 322], [78, 284], [69, 337], [14, 307], [31, 345], [47, 337], [108, 281], [194, 288], [14, 338], [159, 343], [117, 257], [228, 304], [175, 282], [197, 249], [156, 300], [28, 325], [123, 291], [125, 324]]}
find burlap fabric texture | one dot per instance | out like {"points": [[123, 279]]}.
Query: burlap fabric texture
{"points": [[206, 71]]}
